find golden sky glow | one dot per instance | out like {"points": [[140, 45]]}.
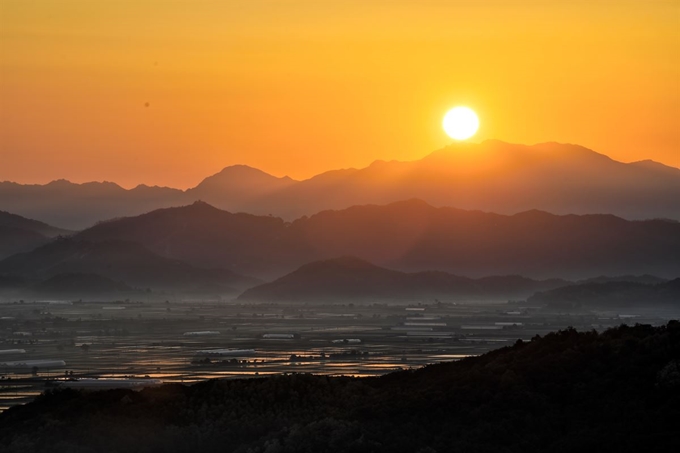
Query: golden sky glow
{"points": [[300, 87]]}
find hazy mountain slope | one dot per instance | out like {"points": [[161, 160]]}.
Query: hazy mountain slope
{"points": [[645, 279], [75, 284], [79, 206], [490, 176], [16, 221], [14, 240], [410, 235], [350, 278], [237, 188], [499, 177], [209, 237], [567, 391], [610, 294], [657, 167], [120, 261], [415, 236], [19, 234]]}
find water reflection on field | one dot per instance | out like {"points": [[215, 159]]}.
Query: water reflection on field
{"points": [[168, 340]]}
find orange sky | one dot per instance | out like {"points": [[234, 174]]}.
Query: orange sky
{"points": [[300, 87]]}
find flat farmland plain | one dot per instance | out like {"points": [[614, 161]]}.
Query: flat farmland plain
{"points": [[170, 340]]}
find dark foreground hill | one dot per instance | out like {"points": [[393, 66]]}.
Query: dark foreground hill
{"points": [[409, 236], [618, 391], [350, 278], [120, 261], [610, 294]]}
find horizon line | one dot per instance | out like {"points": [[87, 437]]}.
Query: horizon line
{"points": [[451, 144]]}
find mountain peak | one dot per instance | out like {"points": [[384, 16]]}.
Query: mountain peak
{"points": [[59, 183], [201, 205], [237, 179], [242, 170], [657, 166], [491, 176], [346, 261]]}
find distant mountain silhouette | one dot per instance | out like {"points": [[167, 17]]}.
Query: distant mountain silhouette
{"points": [[120, 261], [352, 279], [610, 294], [238, 187], [78, 206], [644, 279], [408, 236], [19, 234], [491, 176], [209, 237], [16, 221], [80, 284], [15, 240], [498, 177], [414, 236]]}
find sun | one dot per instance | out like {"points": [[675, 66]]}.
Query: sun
{"points": [[460, 123]]}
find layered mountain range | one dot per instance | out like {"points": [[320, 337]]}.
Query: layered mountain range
{"points": [[19, 234], [395, 219], [490, 176], [408, 236], [201, 249], [67, 262], [349, 278], [610, 294]]}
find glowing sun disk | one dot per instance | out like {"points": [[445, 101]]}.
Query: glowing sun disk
{"points": [[460, 123]]}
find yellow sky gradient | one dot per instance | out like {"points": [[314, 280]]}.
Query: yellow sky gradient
{"points": [[300, 87]]}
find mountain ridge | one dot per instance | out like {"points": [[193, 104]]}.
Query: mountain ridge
{"points": [[20, 234], [492, 176], [609, 294], [408, 236], [120, 261], [351, 278]]}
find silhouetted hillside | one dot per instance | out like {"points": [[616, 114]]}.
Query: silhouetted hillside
{"points": [[19, 234], [16, 221], [350, 278], [491, 176], [498, 177], [120, 261], [645, 279], [610, 294], [79, 206], [409, 236], [208, 237], [238, 187], [14, 240], [413, 235], [79, 284], [616, 391]]}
